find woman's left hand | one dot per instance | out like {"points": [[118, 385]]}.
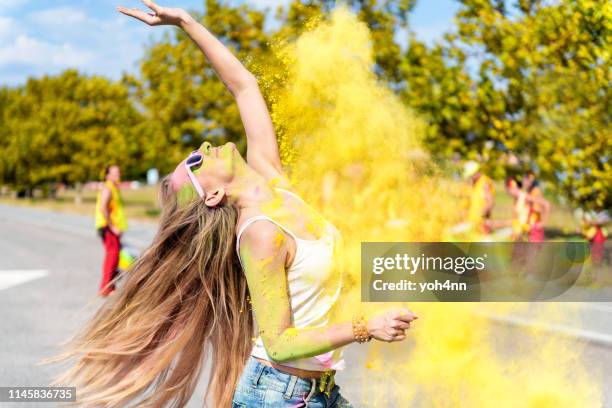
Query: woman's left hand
{"points": [[159, 16]]}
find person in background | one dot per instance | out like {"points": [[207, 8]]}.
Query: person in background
{"points": [[110, 224], [538, 207], [481, 198], [520, 209], [595, 231]]}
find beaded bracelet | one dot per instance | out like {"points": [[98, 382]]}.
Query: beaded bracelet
{"points": [[360, 330]]}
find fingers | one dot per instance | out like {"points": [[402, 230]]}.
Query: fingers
{"points": [[139, 15], [396, 332], [395, 335], [152, 6], [399, 324], [406, 315]]}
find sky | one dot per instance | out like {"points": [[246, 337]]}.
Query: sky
{"points": [[39, 37]]}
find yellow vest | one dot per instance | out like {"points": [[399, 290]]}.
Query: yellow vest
{"points": [[520, 214], [477, 200], [535, 212], [116, 214]]}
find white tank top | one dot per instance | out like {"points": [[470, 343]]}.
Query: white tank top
{"points": [[314, 286]]}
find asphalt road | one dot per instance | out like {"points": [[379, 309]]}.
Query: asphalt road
{"points": [[50, 268]]}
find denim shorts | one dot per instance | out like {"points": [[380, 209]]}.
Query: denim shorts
{"points": [[264, 386]]}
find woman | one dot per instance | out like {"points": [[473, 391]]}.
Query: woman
{"points": [[520, 209], [226, 239], [110, 224], [538, 208], [482, 198]]}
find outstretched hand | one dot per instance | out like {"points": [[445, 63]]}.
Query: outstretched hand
{"points": [[159, 15], [391, 325]]}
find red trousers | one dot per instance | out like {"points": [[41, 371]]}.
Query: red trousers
{"points": [[598, 246], [112, 246], [536, 234]]}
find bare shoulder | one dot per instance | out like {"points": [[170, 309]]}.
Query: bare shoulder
{"points": [[263, 236]]}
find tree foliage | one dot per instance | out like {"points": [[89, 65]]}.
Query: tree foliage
{"points": [[65, 128], [527, 77], [534, 80]]}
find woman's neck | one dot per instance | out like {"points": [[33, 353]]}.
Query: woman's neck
{"points": [[249, 189]]}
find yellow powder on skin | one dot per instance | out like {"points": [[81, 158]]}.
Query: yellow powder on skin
{"points": [[354, 150]]}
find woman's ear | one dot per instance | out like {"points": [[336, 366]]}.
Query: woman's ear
{"points": [[214, 197]]}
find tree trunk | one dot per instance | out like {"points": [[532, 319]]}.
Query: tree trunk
{"points": [[78, 198]]}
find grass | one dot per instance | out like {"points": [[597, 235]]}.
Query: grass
{"points": [[140, 204]]}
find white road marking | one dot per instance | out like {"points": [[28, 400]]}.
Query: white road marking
{"points": [[604, 307], [86, 232], [10, 278], [604, 339], [590, 335]]}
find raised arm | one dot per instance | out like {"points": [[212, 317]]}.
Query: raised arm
{"points": [[264, 250], [262, 147]]}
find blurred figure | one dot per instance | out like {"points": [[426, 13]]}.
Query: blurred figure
{"points": [[110, 224], [481, 198], [594, 230], [520, 209], [538, 208]]}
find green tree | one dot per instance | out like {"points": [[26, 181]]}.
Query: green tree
{"points": [[7, 97], [66, 128], [532, 79], [438, 86]]}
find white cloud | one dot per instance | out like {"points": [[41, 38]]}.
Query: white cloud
{"points": [[58, 16], [9, 4], [49, 40], [96, 46], [32, 52], [7, 27]]}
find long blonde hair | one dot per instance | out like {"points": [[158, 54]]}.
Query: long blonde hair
{"points": [[184, 299]]}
